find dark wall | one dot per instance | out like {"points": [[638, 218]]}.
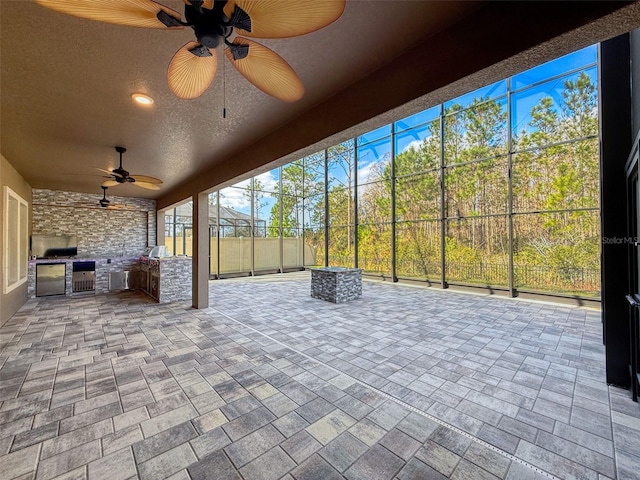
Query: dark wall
{"points": [[634, 37], [616, 140]]}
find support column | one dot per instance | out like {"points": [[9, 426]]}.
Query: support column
{"points": [[252, 235], [326, 208], [394, 258], [355, 202], [200, 259], [443, 206], [160, 238], [512, 288], [616, 140]]}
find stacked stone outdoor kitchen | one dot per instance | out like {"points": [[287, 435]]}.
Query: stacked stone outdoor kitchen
{"points": [[172, 277], [114, 239]]}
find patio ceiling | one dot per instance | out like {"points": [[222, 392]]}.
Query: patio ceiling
{"points": [[66, 86]]}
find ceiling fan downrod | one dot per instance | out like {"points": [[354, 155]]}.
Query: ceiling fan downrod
{"points": [[122, 174], [104, 202]]}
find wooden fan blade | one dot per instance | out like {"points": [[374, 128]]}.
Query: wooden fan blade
{"points": [[147, 185], [145, 178], [133, 13], [108, 172], [110, 183], [189, 74], [286, 18], [267, 70]]}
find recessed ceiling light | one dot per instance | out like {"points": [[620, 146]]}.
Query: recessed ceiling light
{"points": [[142, 99]]}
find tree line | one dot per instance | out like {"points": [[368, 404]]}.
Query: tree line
{"points": [[554, 185]]}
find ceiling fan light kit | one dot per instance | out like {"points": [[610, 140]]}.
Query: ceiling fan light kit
{"points": [[214, 22]]}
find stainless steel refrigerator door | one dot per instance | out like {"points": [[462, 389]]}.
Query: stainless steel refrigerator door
{"points": [[123, 280], [50, 279]]}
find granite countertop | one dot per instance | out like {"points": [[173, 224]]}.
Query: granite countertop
{"points": [[177, 257], [85, 259], [335, 269], [114, 259]]}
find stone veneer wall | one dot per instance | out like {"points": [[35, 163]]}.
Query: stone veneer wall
{"points": [[101, 232], [175, 279]]}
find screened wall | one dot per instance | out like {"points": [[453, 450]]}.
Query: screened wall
{"points": [[266, 233], [497, 188], [178, 230]]}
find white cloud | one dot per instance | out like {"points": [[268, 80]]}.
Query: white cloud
{"points": [[416, 144], [235, 198], [363, 173], [267, 181], [243, 183]]}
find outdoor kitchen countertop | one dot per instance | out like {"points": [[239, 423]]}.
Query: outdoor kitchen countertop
{"points": [[113, 259]]}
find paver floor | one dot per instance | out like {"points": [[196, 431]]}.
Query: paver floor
{"points": [[268, 383]]}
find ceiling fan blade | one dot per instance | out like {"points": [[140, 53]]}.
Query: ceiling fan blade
{"points": [[284, 18], [145, 178], [147, 185], [110, 183], [191, 70], [108, 172], [134, 13], [265, 69]]}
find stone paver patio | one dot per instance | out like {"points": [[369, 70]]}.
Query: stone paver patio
{"points": [[269, 383]]}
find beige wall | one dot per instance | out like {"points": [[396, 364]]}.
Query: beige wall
{"points": [[236, 253], [13, 300]]}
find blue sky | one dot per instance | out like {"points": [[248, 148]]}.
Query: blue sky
{"points": [[527, 92]]}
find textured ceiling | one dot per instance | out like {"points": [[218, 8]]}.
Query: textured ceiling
{"points": [[66, 84]]}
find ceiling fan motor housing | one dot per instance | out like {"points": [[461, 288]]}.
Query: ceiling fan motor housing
{"points": [[210, 26], [122, 174]]}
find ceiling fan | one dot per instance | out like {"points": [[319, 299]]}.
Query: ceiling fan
{"points": [[120, 175], [106, 203], [194, 66]]}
